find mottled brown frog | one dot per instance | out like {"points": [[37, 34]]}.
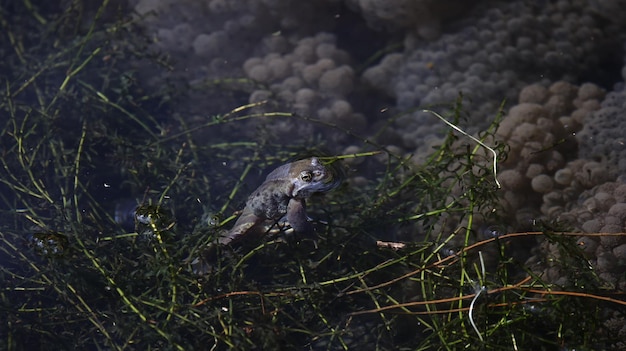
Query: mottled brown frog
{"points": [[282, 195]]}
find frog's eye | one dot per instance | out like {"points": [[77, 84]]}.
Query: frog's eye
{"points": [[306, 176]]}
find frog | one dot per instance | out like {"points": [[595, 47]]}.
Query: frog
{"points": [[283, 195]]}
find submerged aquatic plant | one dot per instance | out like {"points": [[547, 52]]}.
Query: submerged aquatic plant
{"points": [[401, 262]]}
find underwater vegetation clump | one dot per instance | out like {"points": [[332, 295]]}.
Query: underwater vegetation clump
{"points": [[106, 194]]}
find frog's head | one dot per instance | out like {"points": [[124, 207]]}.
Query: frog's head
{"points": [[311, 176]]}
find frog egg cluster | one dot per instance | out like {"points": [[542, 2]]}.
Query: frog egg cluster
{"points": [[566, 185], [601, 209], [210, 40], [421, 16], [314, 77], [539, 131], [555, 184], [615, 324], [496, 51], [603, 136], [180, 29], [490, 55]]}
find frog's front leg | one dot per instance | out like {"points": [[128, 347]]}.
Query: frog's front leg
{"points": [[297, 218]]}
